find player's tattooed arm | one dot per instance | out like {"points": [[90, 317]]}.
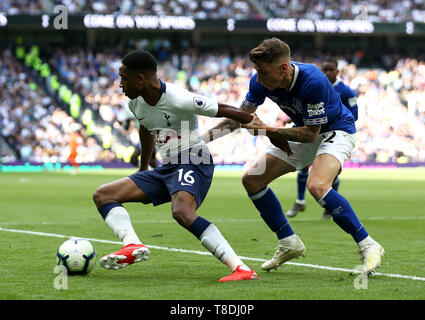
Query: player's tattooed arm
{"points": [[226, 126], [147, 141], [305, 134]]}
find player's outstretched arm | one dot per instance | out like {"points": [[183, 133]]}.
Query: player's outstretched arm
{"points": [[305, 134], [233, 113], [234, 119], [148, 143], [256, 124]]}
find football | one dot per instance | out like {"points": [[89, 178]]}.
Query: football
{"points": [[77, 255]]}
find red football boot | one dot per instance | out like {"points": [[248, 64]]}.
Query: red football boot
{"points": [[129, 254], [240, 274]]}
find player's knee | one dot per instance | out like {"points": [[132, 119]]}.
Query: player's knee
{"points": [[177, 215], [317, 188], [100, 196], [183, 208], [249, 182], [182, 216]]}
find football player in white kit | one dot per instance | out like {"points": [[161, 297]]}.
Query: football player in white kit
{"points": [[167, 115]]}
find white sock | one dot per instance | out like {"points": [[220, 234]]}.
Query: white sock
{"points": [[215, 243], [119, 221], [366, 241], [300, 201], [290, 240]]}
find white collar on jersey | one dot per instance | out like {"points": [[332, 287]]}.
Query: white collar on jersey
{"points": [[294, 79], [338, 80]]}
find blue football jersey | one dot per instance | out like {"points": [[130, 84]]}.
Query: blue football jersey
{"points": [[311, 100], [348, 97]]}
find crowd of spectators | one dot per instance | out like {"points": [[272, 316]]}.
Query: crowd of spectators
{"points": [[21, 7], [370, 10], [212, 9], [391, 125], [391, 102], [33, 125]]}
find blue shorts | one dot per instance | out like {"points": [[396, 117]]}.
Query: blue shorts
{"points": [[162, 182]]}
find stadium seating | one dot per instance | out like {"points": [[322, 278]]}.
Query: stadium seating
{"points": [[34, 125], [390, 99], [22, 6], [241, 9], [373, 10], [216, 75]]}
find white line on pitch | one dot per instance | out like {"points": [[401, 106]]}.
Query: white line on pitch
{"points": [[212, 220], [315, 266]]}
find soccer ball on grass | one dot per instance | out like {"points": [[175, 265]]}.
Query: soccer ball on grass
{"points": [[77, 255]]}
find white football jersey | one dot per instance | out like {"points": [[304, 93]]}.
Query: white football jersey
{"points": [[173, 121]]}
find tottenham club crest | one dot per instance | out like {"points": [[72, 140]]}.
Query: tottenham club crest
{"points": [[199, 103], [167, 117]]}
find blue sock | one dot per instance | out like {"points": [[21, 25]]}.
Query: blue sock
{"points": [[335, 184], [343, 214], [301, 183], [271, 211], [198, 226], [104, 209]]}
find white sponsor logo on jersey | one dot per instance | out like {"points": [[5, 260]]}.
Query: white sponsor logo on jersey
{"points": [[352, 101], [315, 109]]}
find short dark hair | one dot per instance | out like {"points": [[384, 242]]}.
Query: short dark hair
{"points": [[141, 60], [269, 51], [331, 60]]}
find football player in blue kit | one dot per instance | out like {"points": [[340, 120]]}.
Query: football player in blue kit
{"points": [[349, 99], [167, 115], [323, 136]]}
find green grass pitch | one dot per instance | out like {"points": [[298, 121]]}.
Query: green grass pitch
{"points": [[51, 205]]}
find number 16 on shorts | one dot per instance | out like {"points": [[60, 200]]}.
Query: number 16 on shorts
{"points": [[185, 179]]}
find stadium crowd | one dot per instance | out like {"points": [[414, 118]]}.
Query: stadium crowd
{"points": [[33, 124], [371, 10], [217, 9], [21, 7], [391, 102]]}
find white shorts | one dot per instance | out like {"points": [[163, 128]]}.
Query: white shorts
{"points": [[338, 143]]}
